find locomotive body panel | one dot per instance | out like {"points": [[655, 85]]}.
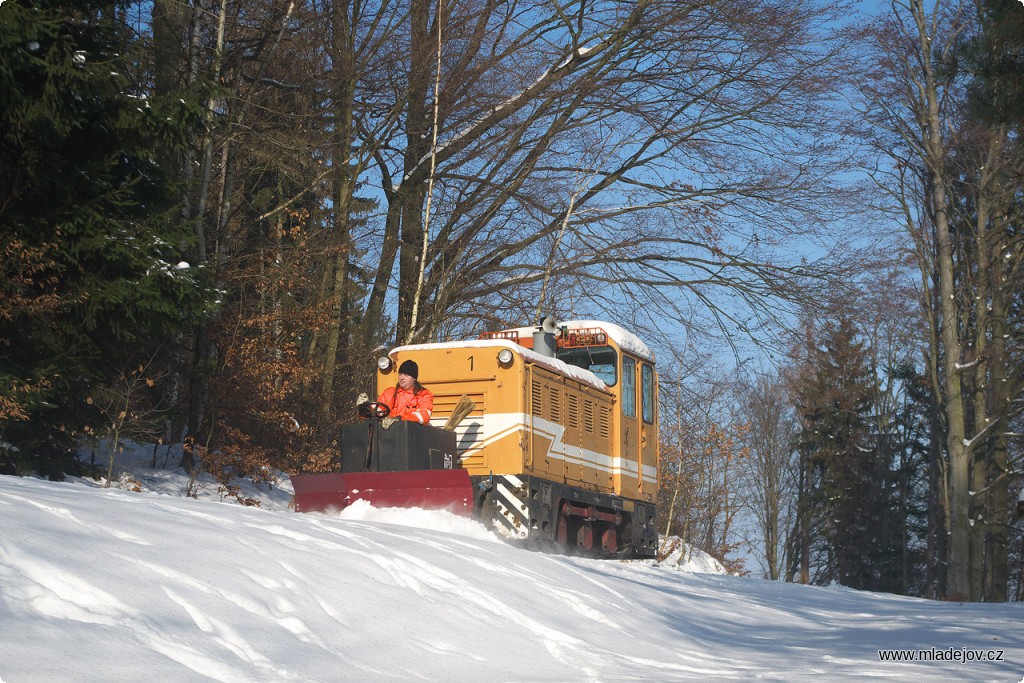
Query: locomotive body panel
{"points": [[561, 448], [539, 416]]}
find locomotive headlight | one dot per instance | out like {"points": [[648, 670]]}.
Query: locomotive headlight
{"points": [[505, 358], [384, 363]]}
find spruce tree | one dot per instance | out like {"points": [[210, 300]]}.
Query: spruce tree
{"points": [[99, 273], [847, 487], [994, 59]]}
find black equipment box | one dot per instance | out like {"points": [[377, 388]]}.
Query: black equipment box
{"points": [[404, 446]]}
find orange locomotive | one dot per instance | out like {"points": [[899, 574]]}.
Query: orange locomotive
{"points": [[560, 445]]}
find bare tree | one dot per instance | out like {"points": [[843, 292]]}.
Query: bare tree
{"points": [[770, 470], [126, 411], [704, 449], [649, 159], [717, 152], [950, 179]]}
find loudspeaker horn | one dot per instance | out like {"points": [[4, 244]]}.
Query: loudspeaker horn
{"points": [[548, 324]]}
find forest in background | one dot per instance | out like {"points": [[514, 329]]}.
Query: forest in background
{"points": [[215, 215]]}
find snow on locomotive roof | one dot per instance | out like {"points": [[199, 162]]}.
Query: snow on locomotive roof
{"points": [[571, 371], [626, 340]]}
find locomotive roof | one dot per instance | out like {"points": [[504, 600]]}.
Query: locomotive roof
{"points": [[626, 340], [571, 371]]}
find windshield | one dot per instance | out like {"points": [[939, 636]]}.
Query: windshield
{"points": [[600, 360]]}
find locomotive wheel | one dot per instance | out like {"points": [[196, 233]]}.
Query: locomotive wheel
{"points": [[567, 533]]}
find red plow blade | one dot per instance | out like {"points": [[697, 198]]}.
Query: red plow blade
{"points": [[433, 489]]}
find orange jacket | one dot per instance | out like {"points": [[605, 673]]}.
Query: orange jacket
{"points": [[406, 405]]}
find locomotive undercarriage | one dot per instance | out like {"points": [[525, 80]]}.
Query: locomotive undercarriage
{"points": [[550, 515]]}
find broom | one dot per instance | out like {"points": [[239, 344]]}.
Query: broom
{"points": [[463, 408]]}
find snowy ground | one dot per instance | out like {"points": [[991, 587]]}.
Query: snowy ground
{"points": [[111, 585]]}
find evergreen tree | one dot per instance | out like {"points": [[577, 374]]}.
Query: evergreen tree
{"points": [[99, 275], [994, 58], [846, 479], [908, 450]]}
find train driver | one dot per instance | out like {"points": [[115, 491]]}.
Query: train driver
{"points": [[408, 400]]}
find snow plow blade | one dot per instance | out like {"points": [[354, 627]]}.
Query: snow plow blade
{"points": [[432, 489]]}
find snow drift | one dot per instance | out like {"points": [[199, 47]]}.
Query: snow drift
{"points": [[109, 585]]}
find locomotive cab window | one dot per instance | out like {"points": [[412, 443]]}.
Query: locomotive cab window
{"points": [[628, 387], [647, 389], [600, 360]]}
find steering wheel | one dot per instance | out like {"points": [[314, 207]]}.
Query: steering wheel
{"points": [[374, 409]]}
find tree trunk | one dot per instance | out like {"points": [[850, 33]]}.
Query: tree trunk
{"points": [[342, 84], [949, 333], [803, 524], [417, 136]]}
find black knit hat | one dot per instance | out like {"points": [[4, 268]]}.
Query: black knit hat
{"points": [[409, 367]]}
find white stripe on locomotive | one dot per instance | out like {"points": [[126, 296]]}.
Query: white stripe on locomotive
{"points": [[513, 513], [477, 433]]}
